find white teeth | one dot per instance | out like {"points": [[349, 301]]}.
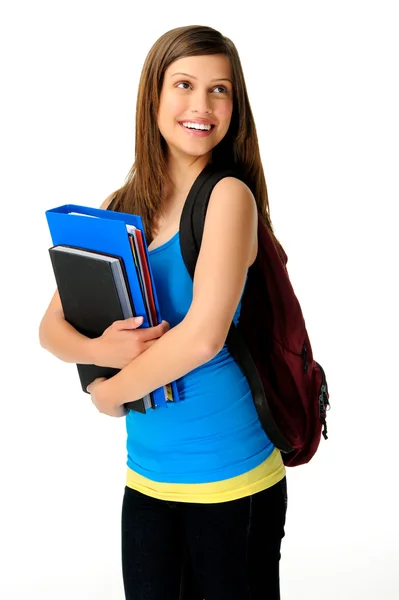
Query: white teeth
{"points": [[190, 125]]}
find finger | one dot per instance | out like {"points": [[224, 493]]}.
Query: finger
{"points": [[93, 383], [153, 333], [130, 323]]}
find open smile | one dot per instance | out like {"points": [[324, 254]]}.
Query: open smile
{"points": [[197, 129]]}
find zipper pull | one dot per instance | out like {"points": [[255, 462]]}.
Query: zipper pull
{"points": [[324, 404], [324, 431], [324, 397]]}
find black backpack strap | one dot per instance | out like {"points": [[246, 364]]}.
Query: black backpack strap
{"points": [[191, 229], [194, 212]]}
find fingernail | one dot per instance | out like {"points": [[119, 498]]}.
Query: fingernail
{"points": [[138, 320]]}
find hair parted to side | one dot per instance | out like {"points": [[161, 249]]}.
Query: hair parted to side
{"points": [[144, 187]]}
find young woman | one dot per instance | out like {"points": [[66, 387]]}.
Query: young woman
{"points": [[203, 480]]}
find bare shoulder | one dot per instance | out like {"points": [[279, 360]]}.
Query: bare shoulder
{"points": [[233, 185], [234, 194], [232, 207], [108, 200], [232, 216]]}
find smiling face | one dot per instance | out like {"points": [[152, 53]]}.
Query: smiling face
{"points": [[196, 104]]}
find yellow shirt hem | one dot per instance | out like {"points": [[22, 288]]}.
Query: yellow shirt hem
{"points": [[265, 475]]}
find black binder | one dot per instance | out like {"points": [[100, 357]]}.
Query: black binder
{"points": [[94, 293]]}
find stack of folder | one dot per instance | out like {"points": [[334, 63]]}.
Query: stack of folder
{"points": [[103, 274]]}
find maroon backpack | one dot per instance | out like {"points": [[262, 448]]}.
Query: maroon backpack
{"points": [[270, 343]]}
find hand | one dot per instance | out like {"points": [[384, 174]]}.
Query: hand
{"points": [[122, 342], [99, 401]]}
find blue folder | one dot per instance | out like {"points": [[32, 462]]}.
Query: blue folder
{"points": [[107, 233]]}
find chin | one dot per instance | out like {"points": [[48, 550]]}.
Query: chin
{"points": [[194, 150]]}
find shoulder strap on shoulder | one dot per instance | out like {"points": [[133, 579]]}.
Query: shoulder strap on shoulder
{"points": [[194, 212], [191, 229]]}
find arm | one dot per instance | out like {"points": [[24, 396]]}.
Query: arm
{"points": [[227, 250]]}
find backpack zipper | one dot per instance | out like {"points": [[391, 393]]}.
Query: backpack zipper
{"points": [[324, 404]]}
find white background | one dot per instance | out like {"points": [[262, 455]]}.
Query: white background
{"points": [[322, 79]]}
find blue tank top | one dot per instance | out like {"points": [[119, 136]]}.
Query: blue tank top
{"points": [[214, 432]]}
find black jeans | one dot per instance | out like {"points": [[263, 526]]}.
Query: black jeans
{"points": [[188, 551]]}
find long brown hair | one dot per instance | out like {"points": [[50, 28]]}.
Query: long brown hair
{"points": [[145, 184]]}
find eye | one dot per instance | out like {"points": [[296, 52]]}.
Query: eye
{"points": [[183, 83], [221, 87]]}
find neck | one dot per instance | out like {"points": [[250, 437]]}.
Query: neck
{"points": [[184, 171]]}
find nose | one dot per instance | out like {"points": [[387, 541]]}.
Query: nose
{"points": [[201, 102]]}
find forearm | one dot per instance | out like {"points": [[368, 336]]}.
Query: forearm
{"points": [[61, 339], [179, 351]]}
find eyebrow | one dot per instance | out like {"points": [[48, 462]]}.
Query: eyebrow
{"points": [[192, 77]]}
